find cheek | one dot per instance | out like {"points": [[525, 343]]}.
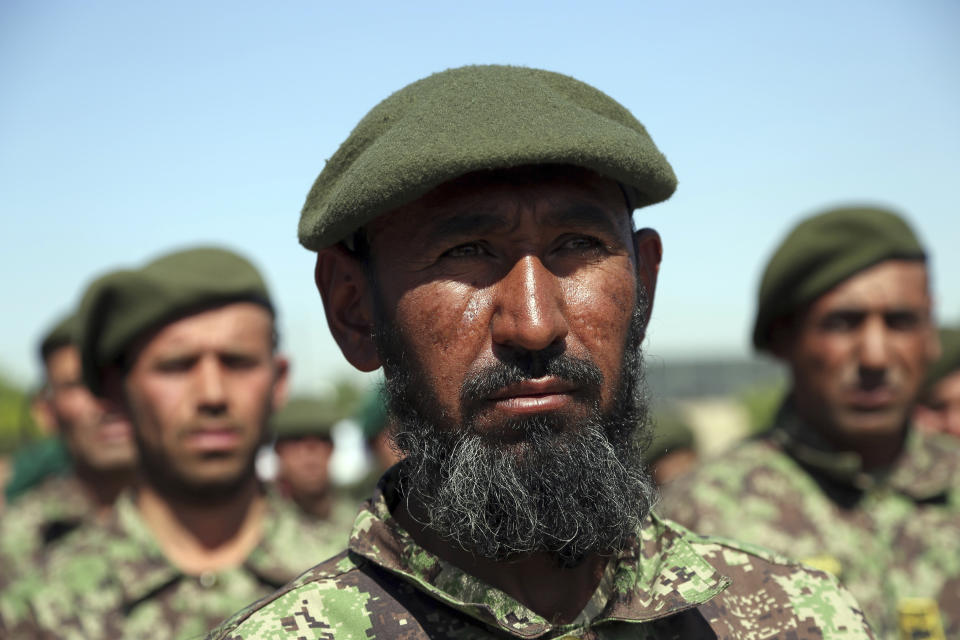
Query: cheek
{"points": [[599, 311]]}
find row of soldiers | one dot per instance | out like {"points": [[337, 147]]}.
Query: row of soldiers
{"points": [[475, 239]]}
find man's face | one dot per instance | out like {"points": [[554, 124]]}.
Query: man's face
{"points": [[98, 440], [199, 393], [859, 353], [304, 463], [484, 272], [940, 411], [507, 316]]}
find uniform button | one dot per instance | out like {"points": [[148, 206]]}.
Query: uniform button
{"points": [[208, 579]]}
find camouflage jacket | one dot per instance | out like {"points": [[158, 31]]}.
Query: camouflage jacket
{"points": [[37, 520], [113, 581], [668, 583], [892, 538]]}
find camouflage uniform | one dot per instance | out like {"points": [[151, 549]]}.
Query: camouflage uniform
{"points": [[113, 581], [37, 520], [893, 538], [667, 584]]}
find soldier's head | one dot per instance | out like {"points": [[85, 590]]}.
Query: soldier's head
{"points": [[939, 406], [304, 447], [475, 238], [99, 440], [186, 345], [845, 302]]}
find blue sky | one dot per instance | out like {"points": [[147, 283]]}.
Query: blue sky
{"points": [[130, 128]]}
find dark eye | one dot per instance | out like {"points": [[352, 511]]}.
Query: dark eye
{"points": [[842, 320], [238, 361], [175, 365], [580, 243], [465, 250], [902, 320]]}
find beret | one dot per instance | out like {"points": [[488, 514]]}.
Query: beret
{"points": [[61, 334], [947, 363], [672, 433], [304, 416], [469, 119], [823, 251], [121, 306]]}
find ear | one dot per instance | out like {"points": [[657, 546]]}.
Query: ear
{"points": [[649, 251], [281, 382], [348, 304]]}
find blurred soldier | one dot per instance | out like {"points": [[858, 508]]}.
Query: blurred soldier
{"points": [[842, 481], [474, 238], [186, 346], [673, 452], [939, 406], [304, 447], [97, 441]]}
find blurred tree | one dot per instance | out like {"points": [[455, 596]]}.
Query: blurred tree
{"points": [[761, 402], [16, 423]]}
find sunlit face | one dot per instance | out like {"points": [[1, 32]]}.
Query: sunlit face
{"points": [[481, 272], [860, 352], [199, 393], [97, 439], [304, 464], [940, 411]]}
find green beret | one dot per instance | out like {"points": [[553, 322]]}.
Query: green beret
{"points": [[63, 333], [823, 251], [474, 118], [672, 433], [121, 306], [304, 416], [947, 363]]}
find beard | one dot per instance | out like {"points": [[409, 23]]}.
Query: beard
{"points": [[546, 483]]}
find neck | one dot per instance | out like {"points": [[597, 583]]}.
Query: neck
{"points": [[103, 487], [555, 593], [317, 505], [877, 450], [199, 538]]}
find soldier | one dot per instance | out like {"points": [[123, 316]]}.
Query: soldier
{"points": [[304, 448], [841, 481], [186, 345], [101, 453], [939, 406], [474, 237]]}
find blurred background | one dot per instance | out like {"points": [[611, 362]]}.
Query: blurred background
{"points": [[128, 129]]}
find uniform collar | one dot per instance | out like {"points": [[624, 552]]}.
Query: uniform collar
{"points": [[926, 468], [142, 569], [657, 575]]}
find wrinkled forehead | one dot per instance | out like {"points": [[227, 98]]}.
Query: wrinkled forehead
{"points": [[477, 197], [889, 285]]}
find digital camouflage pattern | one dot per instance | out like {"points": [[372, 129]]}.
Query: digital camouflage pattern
{"points": [[38, 520], [668, 584], [893, 539], [113, 581]]}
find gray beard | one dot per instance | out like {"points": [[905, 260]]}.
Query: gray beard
{"points": [[569, 490]]}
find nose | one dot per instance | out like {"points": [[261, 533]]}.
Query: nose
{"points": [[529, 312], [211, 394], [874, 351]]}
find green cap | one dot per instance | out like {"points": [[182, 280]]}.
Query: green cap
{"points": [[303, 416], [121, 306], [63, 333], [823, 251], [470, 119], [947, 363]]}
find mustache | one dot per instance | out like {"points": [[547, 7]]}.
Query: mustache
{"points": [[484, 382]]}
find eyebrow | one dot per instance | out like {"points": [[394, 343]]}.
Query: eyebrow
{"points": [[479, 222]]}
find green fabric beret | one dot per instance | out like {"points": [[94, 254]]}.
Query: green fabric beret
{"points": [[947, 363], [303, 416], [64, 332], [124, 305], [474, 118], [823, 251]]}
